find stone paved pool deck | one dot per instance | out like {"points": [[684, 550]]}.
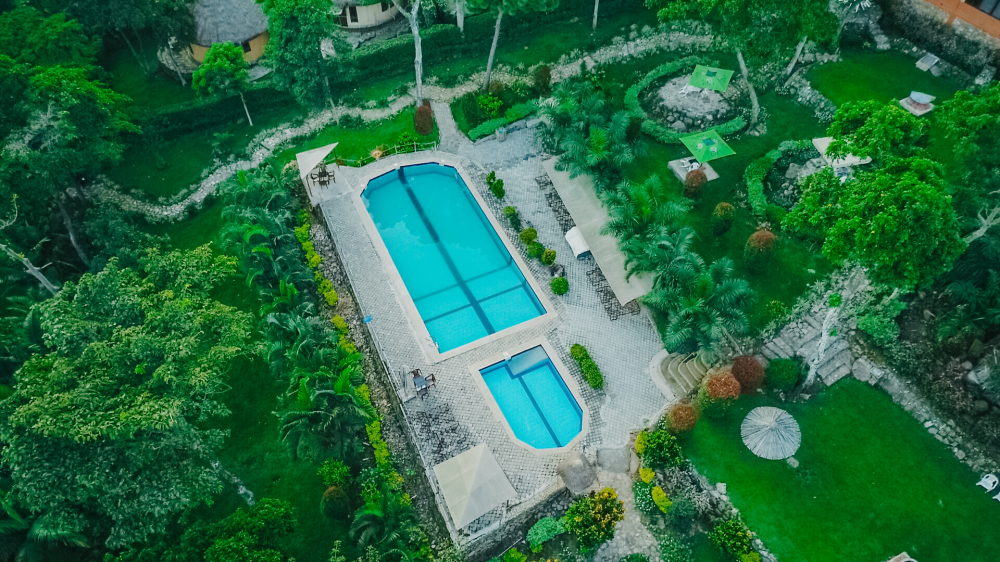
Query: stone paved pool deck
{"points": [[455, 416]]}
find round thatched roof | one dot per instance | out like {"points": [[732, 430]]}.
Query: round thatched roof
{"points": [[771, 433], [227, 21]]}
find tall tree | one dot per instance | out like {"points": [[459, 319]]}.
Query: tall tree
{"points": [[299, 29], [815, 21], [972, 122], [131, 19], [28, 37], [135, 360], [413, 18], [223, 71], [510, 8]]}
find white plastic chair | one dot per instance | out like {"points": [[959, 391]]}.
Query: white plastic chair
{"points": [[989, 482], [689, 89]]}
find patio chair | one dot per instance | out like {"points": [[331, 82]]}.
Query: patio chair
{"points": [[415, 373], [430, 378], [422, 393], [689, 89], [989, 482]]}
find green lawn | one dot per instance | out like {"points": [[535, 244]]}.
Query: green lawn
{"points": [[127, 77], [872, 483]]}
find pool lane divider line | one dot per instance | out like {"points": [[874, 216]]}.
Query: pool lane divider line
{"points": [[473, 302], [531, 397]]}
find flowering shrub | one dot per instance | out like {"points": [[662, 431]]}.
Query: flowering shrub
{"points": [[592, 519], [722, 218], [733, 538], [661, 500], [748, 372], [759, 250], [682, 417], [694, 183], [642, 492], [718, 393], [662, 450], [783, 374], [546, 529], [559, 285], [673, 550], [591, 372], [635, 558], [646, 474]]}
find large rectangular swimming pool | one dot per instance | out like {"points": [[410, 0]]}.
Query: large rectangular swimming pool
{"points": [[535, 400], [456, 269]]}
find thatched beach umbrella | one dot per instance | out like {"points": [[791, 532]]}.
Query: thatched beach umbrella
{"points": [[771, 433]]}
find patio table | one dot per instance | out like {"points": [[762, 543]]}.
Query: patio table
{"points": [[419, 382]]}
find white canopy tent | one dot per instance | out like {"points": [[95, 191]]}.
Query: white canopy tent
{"points": [[473, 484]]}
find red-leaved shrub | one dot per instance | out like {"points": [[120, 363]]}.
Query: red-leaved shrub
{"points": [[423, 121], [722, 218], [695, 183], [748, 372], [718, 393], [682, 417], [759, 250]]}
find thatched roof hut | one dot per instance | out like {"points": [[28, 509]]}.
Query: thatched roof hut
{"points": [[229, 21]]}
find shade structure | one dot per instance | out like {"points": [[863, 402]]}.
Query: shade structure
{"points": [[771, 433], [309, 159], [707, 145], [473, 484], [711, 78]]}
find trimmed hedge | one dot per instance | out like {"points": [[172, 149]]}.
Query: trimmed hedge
{"points": [[758, 169], [651, 127], [514, 113], [591, 372]]}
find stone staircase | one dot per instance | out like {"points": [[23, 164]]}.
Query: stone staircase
{"points": [[683, 372], [801, 338]]}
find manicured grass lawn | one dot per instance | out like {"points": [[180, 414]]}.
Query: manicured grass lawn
{"points": [[882, 76], [872, 483], [796, 263]]}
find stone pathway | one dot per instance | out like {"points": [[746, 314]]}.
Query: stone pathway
{"points": [[451, 139], [631, 536]]}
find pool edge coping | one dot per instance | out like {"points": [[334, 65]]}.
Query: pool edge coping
{"points": [[416, 322], [571, 384]]}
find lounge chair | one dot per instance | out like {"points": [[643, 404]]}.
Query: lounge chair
{"points": [[430, 378], [989, 482], [576, 242]]}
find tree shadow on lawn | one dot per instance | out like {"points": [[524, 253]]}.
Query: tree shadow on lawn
{"points": [[871, 483]]}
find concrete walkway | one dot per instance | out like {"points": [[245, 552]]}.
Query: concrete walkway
{"points": [[451, 140]]}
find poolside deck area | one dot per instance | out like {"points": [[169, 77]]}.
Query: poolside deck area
{"points": [[455, 416]]}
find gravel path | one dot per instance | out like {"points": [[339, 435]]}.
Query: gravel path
{"points": [[631, 536]]}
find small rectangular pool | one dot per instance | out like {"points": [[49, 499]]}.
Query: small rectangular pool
{"points": [[533, 397], [456, 269]]}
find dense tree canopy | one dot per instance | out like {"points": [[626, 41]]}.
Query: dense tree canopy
{"points": [[128, 19], [28, 37], [872, 129], [972, 122], [102, 431]]}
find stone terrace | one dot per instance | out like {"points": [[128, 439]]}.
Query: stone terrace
{"points": [[454, 416]]}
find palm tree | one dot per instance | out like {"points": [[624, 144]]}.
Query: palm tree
{"points": [[601, 151], [669, 256], [705, 306], [638, 212], [324, 411], [32, 538], [385, 525]]}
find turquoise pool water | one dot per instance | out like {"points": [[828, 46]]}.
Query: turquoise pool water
{"points": [[538, 405], [454, 265]]}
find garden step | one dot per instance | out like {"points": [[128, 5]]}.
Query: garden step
{"points": [[782, 349], [693, 377], [673, 377], [769, 352], [808, 342], [813, 322], [702, 366], [833, 349], [840, 372], [689, 378]]}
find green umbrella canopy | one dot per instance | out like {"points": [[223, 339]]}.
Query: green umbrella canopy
{"points": [[707, 145], [711, 78]]}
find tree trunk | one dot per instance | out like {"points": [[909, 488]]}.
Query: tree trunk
{"points": [[460, 14], [142, 62], [135, 53], [493, 52], [242, 99], [597, 4], [31, 269], [828, 323], [755, 106], [795, 59], [418, 51], [68, 222], [986, 222]]}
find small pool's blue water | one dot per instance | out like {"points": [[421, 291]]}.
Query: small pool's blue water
{"points": [[454, 265], [534, 398]]}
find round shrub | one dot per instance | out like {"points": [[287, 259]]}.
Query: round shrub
{"points": [[640, 442], [423, 120], [546, 529], [718, 393], [682, 417], [535, 250], [529, 235], [543, 80], [759, 250], [774, 215], [512, 217], [646, 474], [722, 218], [748, 372], [733, 538], [662, 450], [559, 285], [783, 374], [549, 257], [694, 183], [661, 500], [335, 503], [642, 492], [592, 519]]}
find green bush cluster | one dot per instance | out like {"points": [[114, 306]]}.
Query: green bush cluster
{"points": [[549, 257], [528, 235], [513, 114], [546, 529], [758, 170], [642, 492], [334, 473], [559, 285], [495, 184], [591, 372], [733, 538], [513, 217], [661, 450], [592, 519], [672, 549], [635, 558], [340, 324], [535, 250], [325, 287], [784, 374], [490, 105]]}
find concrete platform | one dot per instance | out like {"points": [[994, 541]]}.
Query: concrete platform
{"points": [[680, 170]]}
